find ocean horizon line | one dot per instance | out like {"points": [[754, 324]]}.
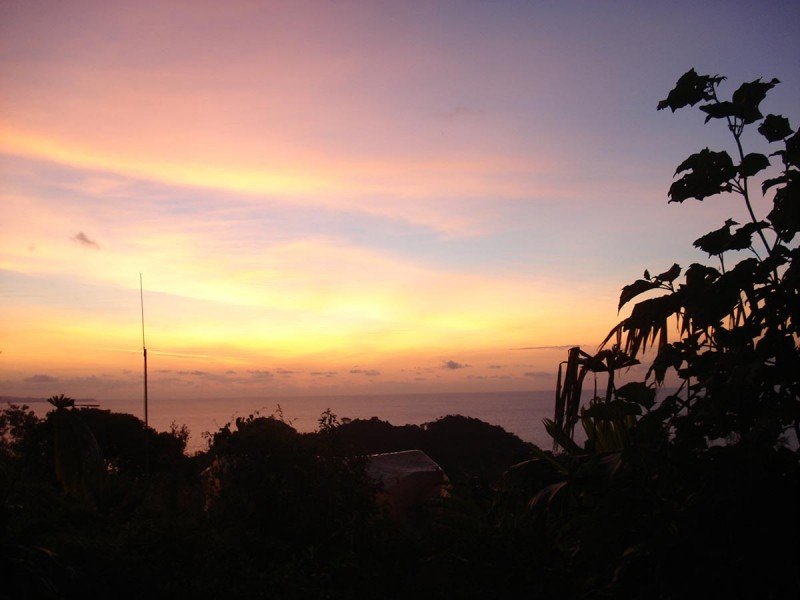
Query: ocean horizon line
{"points": [[40, 399]]}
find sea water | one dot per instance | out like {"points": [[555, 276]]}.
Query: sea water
{"points": [[520, 413]]}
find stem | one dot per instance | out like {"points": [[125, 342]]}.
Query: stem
{"points": [[744, 192], [736, 130], [688, 392], [753, 250]]}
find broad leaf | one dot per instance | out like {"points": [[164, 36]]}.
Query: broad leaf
{"points": [[748, 97], [690, 89], [634, 289], [768, 183], [775, 127], [709, 304], [610, 359], [637, 392], [752, 164], [792, 156], [744, 105], [560, 437], [698, 274], [669, 356], [709, 174], [717, 241], [737, 337], [670, 274], [743, 274], [785, 216], [743, 237], [648, 322], [719, 110]]}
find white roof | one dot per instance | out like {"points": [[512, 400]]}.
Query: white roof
{"points": [[393, 467]]}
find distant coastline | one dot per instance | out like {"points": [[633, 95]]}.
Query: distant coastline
{"points": [[519, 412]]}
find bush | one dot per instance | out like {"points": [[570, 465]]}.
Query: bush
{"points": [[691, 494]]}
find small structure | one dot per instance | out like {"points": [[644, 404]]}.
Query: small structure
{"points": [[407, 479]]}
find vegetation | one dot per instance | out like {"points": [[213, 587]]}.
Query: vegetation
{"points": [[736, 356], [677, 491], [265, 511], [698, 486]]}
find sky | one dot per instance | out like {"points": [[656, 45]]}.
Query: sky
{"points": [[347, 197]]}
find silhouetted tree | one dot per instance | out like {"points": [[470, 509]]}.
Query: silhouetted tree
{"points": [[736, 354], [691, 494]]}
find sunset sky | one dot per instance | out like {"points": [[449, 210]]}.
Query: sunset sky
{"points": [[347, 197]]}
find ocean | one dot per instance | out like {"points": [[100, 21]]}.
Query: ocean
{"points": [[520, 413]]}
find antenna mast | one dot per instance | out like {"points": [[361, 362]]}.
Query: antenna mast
{"points": [[144, 348]]}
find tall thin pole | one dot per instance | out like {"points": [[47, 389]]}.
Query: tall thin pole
{"points": [[144, 348]]}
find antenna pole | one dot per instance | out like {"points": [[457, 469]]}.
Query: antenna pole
{"points": [[144, 348]]}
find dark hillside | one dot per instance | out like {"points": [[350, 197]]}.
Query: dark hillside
{"points": [[463, 446]]}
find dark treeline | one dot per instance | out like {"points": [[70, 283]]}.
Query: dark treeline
{"points": [[95, 504], [269, 512]]}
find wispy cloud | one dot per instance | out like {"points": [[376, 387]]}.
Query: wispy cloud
{"points": [[428, 194], [564, 347], [367, 372], [261, 374], [453, 365], [538, 374], [84, 240], [41, 379]]}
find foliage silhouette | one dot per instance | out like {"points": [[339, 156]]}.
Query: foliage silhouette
{"points": [[467, 449], [736, 355], [706, 467], [78, 460]]}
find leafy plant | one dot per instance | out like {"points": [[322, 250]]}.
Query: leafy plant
{"points": [[736, 354], [707, 466], [327, 422]]}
